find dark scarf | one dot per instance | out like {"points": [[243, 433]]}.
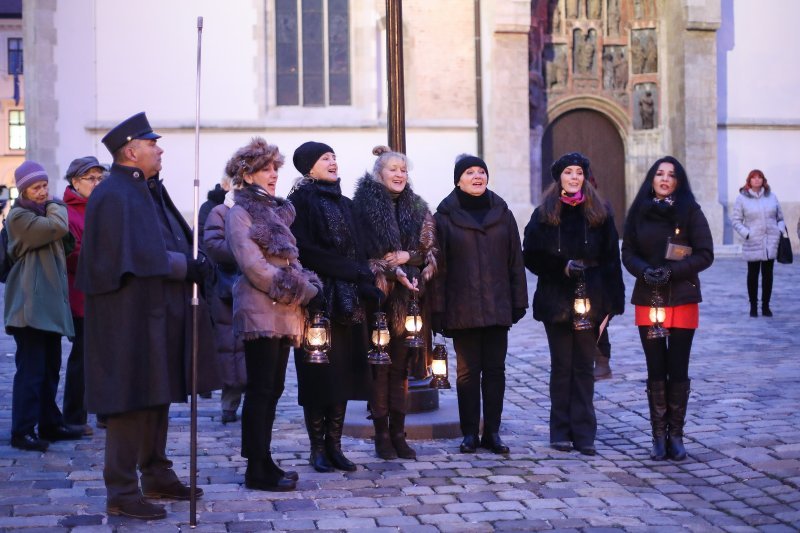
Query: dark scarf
{"points": [[477, 206], [344, 304], [30, 205]]}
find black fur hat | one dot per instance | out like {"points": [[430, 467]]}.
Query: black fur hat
{"points": [[568, 160]]}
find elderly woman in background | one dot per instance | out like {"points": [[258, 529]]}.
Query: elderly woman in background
{"points": [[37, 309], [400, 239], [480, 292], [571, 243], [758, 218], [269, 301], [220, 297], [665, 245], [331, 245]]}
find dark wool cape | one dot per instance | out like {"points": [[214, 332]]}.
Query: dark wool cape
{"points": [[330, 244], [390, 225], [137, 354]]}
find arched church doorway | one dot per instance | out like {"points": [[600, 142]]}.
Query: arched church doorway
{"points": [[595, 136]]}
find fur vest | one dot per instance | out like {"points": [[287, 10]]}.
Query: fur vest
{"points": [[269, 299], [389, 225]]}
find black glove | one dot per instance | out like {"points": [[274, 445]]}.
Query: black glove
{"points": [[517, 313], [656, 276], [368, 291], [317, 303], [575, 268], [365, 275], [198, 270], [437, 322]]}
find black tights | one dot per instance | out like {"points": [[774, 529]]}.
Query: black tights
{"points": [[668, 358], [766, 280]]}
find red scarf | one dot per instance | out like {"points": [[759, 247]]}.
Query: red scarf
{"points": [[573, 200]]}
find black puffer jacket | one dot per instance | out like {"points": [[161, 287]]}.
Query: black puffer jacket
{"points": [[481, 275], [644, 244], [547, 249]]}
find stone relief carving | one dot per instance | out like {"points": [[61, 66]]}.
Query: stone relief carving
{"points": [[614, 18], [615, 68], [555, 17], [572, 8], [593, 9], [645, 105], [556, 69], [584, 51], [644, 51]]}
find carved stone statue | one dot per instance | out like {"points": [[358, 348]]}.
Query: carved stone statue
{"points": [[620, 67], [594, 9], [608, 67], [650, 52], [647, 110], [555, 17], [572, 9], [638, 9], [585, 49], [613, 18], [556, 67]]}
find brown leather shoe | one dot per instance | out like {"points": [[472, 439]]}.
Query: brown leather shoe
{"points": [[139, 508], [175, 491]]}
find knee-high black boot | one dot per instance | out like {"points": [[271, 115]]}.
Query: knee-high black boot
{"points": [[657, 399], [334, 418], [379, 409], [315, 425], [397, 430], [677, 399]]}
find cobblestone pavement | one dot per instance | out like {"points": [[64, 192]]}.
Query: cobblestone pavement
{"points": [[742, 474]]}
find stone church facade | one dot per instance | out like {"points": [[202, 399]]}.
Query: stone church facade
{"points": [[517, 81]]}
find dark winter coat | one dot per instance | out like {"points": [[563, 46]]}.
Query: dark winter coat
{"points": [[390, 225], [229, 347], [547, 249], [138, 328], [269, 298], [214, 198], [644, 244], [36, 294], [481, 273], [76, 212], [330, 244]]}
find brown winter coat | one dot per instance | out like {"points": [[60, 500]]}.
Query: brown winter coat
{"points": [[269, 298], [481, 275]]}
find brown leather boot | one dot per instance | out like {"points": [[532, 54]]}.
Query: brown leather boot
{"points": [[602, 368], [397, 430], [383, 443]]}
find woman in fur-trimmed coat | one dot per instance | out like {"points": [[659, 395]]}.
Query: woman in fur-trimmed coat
{"points": [[400, 239], [269, 301]]}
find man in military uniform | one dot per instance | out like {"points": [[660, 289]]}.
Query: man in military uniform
{"points": [[136, 270]]}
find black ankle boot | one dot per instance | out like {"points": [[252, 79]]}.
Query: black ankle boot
{"points": [[315, 425], [753, 309], [334, 420], [765, 310], [261, 476], [657, 400]]}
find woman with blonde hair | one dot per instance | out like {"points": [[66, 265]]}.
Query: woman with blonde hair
{"points": [[400, 240]]}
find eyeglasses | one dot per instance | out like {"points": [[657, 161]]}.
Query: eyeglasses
{"points": [[93, 180]]}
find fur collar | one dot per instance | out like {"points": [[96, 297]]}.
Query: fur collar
{"points": [[271, 217]]}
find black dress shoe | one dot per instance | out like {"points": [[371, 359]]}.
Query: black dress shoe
{"points": [[290, 474], [282, 485], [175, 491], [589, 449], [29, 443], [493, 442], [60, 432], [141, 509], [469, 444], [561, 445]]}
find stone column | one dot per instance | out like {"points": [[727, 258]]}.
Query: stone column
{"points": [[691, 79], [507, 131], [41, 105]]}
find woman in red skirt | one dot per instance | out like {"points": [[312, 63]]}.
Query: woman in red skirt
{"points": [[665, 244]]}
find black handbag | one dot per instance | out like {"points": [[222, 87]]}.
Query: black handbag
{"points": [[785, 255]]}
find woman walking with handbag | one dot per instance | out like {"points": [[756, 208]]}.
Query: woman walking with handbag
{"points": [[758, 218]]}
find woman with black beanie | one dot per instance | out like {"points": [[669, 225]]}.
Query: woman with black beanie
{"points": [[479, 292], [330, 244], [571, 244]]}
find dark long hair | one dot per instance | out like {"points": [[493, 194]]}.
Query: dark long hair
{"points": [[683, 195], [594, 207]]}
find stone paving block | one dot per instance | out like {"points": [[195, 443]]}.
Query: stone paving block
{"points": [[346, 524], [399, 521]]}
